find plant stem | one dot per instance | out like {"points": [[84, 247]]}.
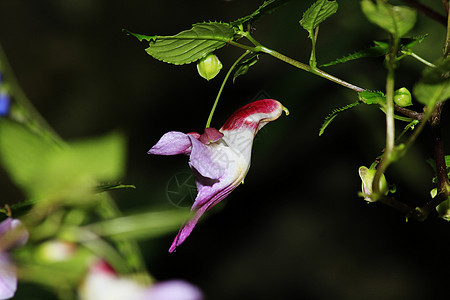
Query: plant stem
{"points": [[443, 184], [208, 123], [307, 68], [390, 121], [447, 37], [427, 11]]}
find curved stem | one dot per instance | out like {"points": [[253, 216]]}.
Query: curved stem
{"points": [[208, 123]]}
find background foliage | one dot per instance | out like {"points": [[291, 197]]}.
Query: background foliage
{"points": [[297, 226]]}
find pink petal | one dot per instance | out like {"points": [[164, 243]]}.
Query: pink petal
{"points": [[211, 135], [254, 115], [207, 197], [8, 277], [173, 290], [203, 161], [172, 143], [12, 234]]}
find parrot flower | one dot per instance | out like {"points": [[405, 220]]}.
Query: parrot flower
{"points": [[219, 159]]}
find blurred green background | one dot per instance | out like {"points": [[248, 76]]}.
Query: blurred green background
{"points": [[296, 229]]}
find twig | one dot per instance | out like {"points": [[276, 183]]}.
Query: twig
{"points": [[427, 11]]}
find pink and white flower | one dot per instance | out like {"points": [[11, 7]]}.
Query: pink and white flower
{"points": [[219, 159]]}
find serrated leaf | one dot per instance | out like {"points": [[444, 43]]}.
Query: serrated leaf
{"points": [[380, 48], [372, 97], [334, 114], [435, 84], [242, 68], [374, 51], [190, 45], [266, 8], [140, 37], [317, 13], [397, 20]]}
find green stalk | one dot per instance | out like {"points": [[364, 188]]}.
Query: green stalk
{"points": [[307, 68], [260, 48], [390, 122], [208, 123]]}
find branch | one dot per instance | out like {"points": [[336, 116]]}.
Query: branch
{"points": [[439, 155], [409, 113], [427, 11]]}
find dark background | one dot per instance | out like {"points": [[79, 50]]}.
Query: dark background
{"points": [[296, 229]]}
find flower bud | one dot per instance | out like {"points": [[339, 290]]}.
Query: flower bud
{"points": [[209, 66], [367, 175], [402, 97]]}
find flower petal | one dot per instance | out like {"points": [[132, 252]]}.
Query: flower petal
{"points": [[254, 115], [173, 290], [210, 135], [8, 277], [12, 234], [208, 196], [203, 159], [172, 143]]}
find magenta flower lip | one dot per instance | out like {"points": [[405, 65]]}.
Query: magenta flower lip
{"points": [[219, 159]]}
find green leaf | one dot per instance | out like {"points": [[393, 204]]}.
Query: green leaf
{"points": [[242, 68], [435, 84], [379, 49], [317, 13], [397, 20], [190, 45], [333, 115], [443, 209], [48, 172], [266, 8], [372, 97]]}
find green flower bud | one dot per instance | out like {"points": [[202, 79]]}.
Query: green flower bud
{"points": [[209, 66], [367, 176], [402, 97]]}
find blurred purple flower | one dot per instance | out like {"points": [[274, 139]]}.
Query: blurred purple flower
{"points": [[4, 104], [12, 234], [219, 159], [173, 290], [103, 283]]}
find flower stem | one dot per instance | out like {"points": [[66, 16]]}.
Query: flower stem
{"points": [[208, 123]]}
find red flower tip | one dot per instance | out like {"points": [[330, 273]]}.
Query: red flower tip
{"points": [[252, 114]]}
